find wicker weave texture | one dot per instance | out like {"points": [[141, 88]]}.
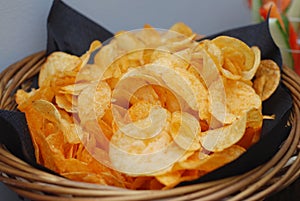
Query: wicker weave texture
{"points": [[276, 174]]}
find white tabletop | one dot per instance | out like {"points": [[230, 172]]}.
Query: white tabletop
{"points": [[23, 24]]}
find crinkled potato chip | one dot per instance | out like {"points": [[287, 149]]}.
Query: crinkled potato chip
{"points": [[149, 109]]}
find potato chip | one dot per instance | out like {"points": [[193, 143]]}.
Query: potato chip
{"points": [[248, 75], [219, 159], [217, 140], [240, 61], [190, 89], [170, 179], [182, 28], [240, 97], [154, 108], [139, 110], [254, 118], [149, 127], [251, 136], [65, 101], [74, 89], [184, 130], [263, 85], [57, 63], [237, 52], [145, 93], [192, 162], [93, 101], [149, 36], [167, 99], [148, 157], [105, 57]]}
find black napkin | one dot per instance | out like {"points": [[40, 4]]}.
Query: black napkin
{"points": [[72, 32]]}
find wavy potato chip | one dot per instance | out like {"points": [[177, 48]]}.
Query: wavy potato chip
{"points": [[217, 140], [219, 159], [57, 63], [267, 79], [93, 101]]}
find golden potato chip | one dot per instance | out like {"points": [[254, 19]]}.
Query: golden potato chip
{"points": [[127, 41], [185, 130], [182, 28], [189, 89], [240, 97], [139, 110], [217, 140], [229, 99], [218, 99], [89, 73], [170, 179], [74, 89], [145, 93], [240, 61], [149, 157], [168, 59], [149, 36], [93, 101], [167, 99], [254, 118], [219, 159], [47, 110], [148, 127], [105, 57], [237, 52], [251, 136], [267, 79], [57, 63], [154, 108], [248, 75], [192, 162], [65, 101], [25, 99]]}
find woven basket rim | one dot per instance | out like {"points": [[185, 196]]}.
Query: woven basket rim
{"points": [[29, 182]]}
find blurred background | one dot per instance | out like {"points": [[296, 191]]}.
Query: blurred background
{"points": [[23, 24]]}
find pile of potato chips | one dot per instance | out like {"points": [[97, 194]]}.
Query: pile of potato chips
{"points": [[150, 109]]}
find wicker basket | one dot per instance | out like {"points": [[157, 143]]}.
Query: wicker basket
{"points": [[276, 174]]}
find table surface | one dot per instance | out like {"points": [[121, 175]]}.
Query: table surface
{"points": [[23, 31]]}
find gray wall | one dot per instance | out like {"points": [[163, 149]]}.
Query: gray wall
{"points": [[23, 23]]}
